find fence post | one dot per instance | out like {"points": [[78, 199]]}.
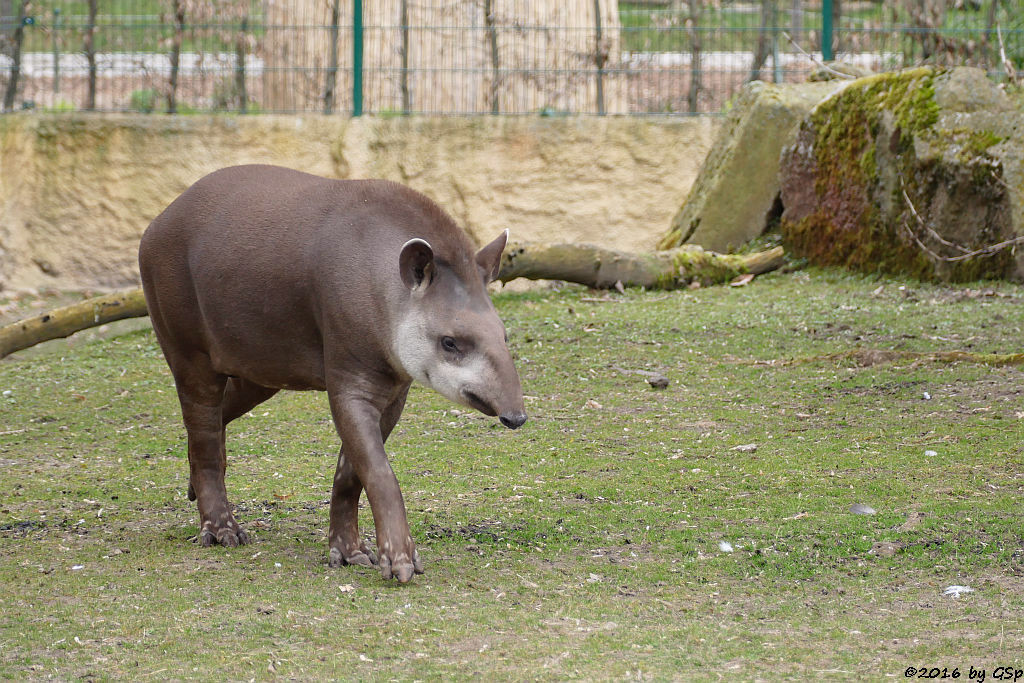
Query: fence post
{"points": [[357, 57], [826, 31]]}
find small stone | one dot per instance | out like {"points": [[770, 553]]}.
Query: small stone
{"points": [[745, 448], [861, 509], [658, 381], [930, 454]]}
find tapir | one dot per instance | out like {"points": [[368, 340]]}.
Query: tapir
{"points": [[261, 278]]}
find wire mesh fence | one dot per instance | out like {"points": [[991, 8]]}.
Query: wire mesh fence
{"points": [[468, 56]]}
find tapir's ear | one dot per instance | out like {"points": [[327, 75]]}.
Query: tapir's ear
{"points": [[489, 257], [416, 263]]}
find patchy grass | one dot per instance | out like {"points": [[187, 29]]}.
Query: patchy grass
{"points": [[585, 545]]}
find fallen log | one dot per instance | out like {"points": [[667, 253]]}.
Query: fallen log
{"points": [[581, 263], [64, 322], [603, 268]]}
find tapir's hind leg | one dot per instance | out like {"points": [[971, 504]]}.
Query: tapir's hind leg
{"points": [[205, 403], [346, 547], [240, 396]]}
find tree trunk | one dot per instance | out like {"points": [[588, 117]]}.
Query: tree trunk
{"points": [[797, 21], [492, 39], [332, 64], [179, 37], [65, 321], [764, 38], [695, 65], [241, 90], [16, 40], [404, 22], [89, 45]]}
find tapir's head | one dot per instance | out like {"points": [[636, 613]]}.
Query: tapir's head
{"points": [[448, 335]]}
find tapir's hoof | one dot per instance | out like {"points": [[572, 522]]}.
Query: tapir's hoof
{"points": [[401, 568], [363, 557], [225, 536]]}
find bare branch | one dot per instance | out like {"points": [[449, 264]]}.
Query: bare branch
{"points": [[817, 61], [1007, 65], [965, 252]]}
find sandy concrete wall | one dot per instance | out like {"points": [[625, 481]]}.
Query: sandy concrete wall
{"points": [[77, 191]]}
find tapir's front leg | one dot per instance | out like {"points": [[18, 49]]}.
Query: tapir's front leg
{"points": [[345, 545], [358, 422]]}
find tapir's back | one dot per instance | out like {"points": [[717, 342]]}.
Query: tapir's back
{"points": [[253, 263]]}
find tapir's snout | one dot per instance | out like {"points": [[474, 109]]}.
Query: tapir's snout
{"points": [[513, 420]]}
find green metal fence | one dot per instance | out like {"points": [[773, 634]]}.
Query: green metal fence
{"points": [[396, 57]]}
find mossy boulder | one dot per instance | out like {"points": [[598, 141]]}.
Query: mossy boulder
{"points": [[738, 184], [917, 172]]}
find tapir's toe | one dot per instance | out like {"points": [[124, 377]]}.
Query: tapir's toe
{"points": [[363, 557], [228, 536], [401, 568]]}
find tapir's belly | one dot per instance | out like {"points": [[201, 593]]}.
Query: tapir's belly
{"points": [[297, 371], [274, 344]]}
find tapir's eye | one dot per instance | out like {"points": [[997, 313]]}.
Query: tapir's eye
{"points": [[449, 345]]}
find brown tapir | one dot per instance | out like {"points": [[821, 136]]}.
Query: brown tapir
{"points": [[260, 278]]}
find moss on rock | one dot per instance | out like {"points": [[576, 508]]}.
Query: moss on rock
{"points": [[883, 178]]}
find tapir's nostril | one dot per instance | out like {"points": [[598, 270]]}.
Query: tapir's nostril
{"points": [[513, 421]]}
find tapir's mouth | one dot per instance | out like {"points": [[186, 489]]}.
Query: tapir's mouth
{"points": [[479, 403]]}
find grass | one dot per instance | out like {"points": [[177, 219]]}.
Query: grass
{"points": [[584, 545]]}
